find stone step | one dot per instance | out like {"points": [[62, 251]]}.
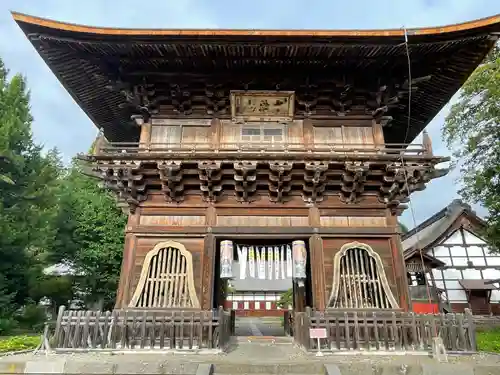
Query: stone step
{"points": [[269, 369]]}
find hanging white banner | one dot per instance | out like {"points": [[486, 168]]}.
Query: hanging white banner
{"points": [[282, 261], [262, 266], [289, 262], [276, 263], [242, 259], [270, 263], [251, 262]]}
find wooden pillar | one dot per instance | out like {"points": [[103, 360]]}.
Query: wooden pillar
{"points": [[400, 272], [208, 275], [378, 133], [308, 133], [299, 297], [145, 137], [215, 133], [427, 143], [317, 272]]}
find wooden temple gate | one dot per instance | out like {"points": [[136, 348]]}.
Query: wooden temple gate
{"points": [[231, 135]]}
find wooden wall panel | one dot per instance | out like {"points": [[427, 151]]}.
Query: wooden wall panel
{"points": [[353, 221], [328, 135], [295, 134], [381, 246], [199, 136], [338, 135], [144, 244], [263, 221], [163, 135], [173, 220], [230, 134], [358, 135]]}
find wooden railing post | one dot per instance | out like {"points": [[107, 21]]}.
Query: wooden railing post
{"points": [[59, 331], [471, 329]]}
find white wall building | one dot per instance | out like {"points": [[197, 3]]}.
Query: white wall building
{"points": [[452, 236]]}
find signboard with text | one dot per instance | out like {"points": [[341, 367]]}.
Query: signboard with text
{"points": [[317, 333]]}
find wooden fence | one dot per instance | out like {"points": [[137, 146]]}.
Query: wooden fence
{"points": [[385, 331], [141, 329]]}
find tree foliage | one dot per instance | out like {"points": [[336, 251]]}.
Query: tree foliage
{"points": [[28, 207], [90, 235], [286, 299], [49, 213], [402, 227], [472, 130]]}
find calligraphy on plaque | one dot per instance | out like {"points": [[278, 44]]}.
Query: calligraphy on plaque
{"points": [[262, 105]]}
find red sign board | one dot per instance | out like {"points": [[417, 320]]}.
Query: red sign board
{"points": [[317, 333]]}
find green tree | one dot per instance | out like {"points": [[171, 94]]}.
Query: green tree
{"points": [[404, 228], [28, 208], [472, 130], [90, 235], [286, 299]]}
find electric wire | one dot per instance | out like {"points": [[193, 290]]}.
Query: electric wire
{"points": [[410, 204]]}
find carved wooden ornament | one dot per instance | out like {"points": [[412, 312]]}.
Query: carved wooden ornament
{"points": [[166, 279], [359, 279]]}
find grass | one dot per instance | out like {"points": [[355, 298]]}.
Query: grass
{"points": [[17, 343], [488, 340]]}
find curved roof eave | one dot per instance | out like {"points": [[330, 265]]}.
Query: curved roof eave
{"points": [[111, 31]]}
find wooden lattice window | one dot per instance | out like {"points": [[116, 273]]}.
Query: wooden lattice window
{"points": [[262, 132], [166, 279], [359, 280]]}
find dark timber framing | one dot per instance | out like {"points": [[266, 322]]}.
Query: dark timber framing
{"points": [[268, 134]]}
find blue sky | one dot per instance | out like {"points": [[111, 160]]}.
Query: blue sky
{"points": [[60, 123]]}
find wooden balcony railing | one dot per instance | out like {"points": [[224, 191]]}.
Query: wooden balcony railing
{"points": [[395, 149]]}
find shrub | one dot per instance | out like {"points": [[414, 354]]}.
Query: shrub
{"points": [[488, 340], [16, 343], [7, 325], [32, 317], [286, 299]]}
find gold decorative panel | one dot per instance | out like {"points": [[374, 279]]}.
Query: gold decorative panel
{"points": [[262, 105]]}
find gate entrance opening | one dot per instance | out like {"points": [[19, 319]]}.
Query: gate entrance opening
{"points": [[262, 288]]}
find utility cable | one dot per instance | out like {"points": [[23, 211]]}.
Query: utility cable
{"points": [[410, 204]]}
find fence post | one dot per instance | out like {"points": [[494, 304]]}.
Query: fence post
{"points": [[471, 329], [233, 321], [307, 324], [58, 329]]}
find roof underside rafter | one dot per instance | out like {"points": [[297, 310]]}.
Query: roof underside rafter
{"points": [[89, 60]]}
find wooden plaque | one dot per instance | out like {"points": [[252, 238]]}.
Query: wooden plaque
{"points": [[262, 105]]}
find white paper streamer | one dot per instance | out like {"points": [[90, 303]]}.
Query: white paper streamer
{"points": [[262, 266], [257, 261], [251, 262], [289, 262], [282, 261], [270, 263], [276, 263], [242, 259]]}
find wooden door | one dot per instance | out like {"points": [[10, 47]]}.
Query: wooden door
{"points": [[478, 301]]}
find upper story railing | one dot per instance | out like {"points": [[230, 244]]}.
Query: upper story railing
{"points": [[271, 149]]}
